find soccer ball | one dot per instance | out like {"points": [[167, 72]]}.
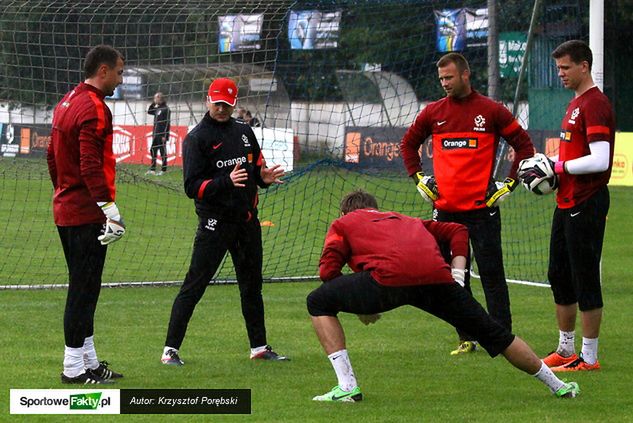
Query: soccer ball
{"points": [[537, 175], [544, 187]]}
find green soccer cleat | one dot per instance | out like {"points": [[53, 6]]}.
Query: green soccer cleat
{"points": [[569, 390], [465, 347], [337, 394]]}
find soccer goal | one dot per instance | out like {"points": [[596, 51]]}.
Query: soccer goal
{"points": [[334, 86]]}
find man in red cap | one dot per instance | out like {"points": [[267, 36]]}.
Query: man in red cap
{"points": [[223, 165]]}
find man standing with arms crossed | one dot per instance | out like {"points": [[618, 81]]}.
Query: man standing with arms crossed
{"points": [[82, 168], [160, 132], [583, 167], [222, 167], [465, 128]]}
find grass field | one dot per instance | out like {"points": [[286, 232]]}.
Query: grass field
{"points": [[402, 362]]}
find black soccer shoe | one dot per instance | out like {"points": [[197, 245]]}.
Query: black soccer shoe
{"points": [[87, 378], [105, 373]]}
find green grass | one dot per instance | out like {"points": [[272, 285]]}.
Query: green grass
{"points": [[402, 362]]}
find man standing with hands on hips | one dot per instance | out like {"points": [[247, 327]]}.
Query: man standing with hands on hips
{"points": [[223, 166], [465, 128], [82, 168]]}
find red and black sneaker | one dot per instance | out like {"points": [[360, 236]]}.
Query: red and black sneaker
{"points": [[269, 354]]}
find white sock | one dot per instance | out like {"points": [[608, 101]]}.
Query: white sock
{"points": [[566, 343], [257, 350], [343, 369], [168, 348], [590, 350], [548, 377], [90, 354], [73, 361]]}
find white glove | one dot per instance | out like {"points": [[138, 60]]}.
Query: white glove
{"points": [[459, 275], [114, 227]]}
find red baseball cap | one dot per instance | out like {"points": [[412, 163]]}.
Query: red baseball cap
{"points": [[224, 90]]}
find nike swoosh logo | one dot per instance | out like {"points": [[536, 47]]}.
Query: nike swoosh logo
{"points": [[440, 123], [493, 213], [336, 398], [574, 214], [215, 147]]}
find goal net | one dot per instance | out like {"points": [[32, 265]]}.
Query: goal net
{"points": [[334, 86]]}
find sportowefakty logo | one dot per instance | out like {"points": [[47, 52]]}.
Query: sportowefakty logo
{"points": [[86, 401]]}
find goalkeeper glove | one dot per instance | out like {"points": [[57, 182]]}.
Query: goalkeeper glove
{"points": [[538, 167], [114, 227], [427, 187], [499, 191], [459, 276]]}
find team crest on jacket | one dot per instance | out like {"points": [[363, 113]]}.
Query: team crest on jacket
{"points": [[480, 121], [211, 224], [574, 115], [245, 141]]}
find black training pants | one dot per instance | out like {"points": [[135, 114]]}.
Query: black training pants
{"points": [[576, 251], [85, 257], [359, 293], [158, 146], [484, 230], [214, 238]]}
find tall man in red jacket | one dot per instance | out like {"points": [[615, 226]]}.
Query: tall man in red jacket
{"points": [[398, 262], [583, 167], [465, 128], [82, 168]]}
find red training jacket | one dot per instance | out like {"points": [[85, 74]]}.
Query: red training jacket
{"points": [[80, 159], [589, 118], [397, 250], [465, 135]]}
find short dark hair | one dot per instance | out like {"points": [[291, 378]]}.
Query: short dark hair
{"points": [[99, 55], [459, 60], [577, 50], [358, 199]]}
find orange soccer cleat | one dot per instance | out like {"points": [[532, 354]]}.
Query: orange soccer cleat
{"points": [[577, 366], [554, 359]]}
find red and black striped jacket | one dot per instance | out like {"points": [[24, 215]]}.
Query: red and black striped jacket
{"points": [[589, 118], [80, 159]]}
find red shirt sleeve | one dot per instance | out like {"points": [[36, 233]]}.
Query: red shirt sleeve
{"points": [[413, 138], [455, 234], [91, 150], [597, 122], [335, 253], [516, 136]]}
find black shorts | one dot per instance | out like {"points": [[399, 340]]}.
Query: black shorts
{"points": [[359, 293], [576, 250]]}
